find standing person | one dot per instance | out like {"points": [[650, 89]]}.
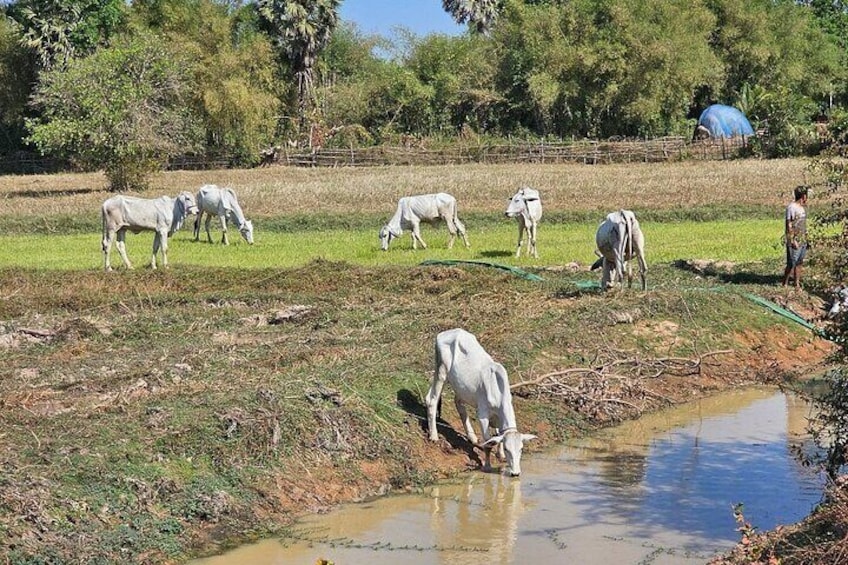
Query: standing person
{"points": [[796, 236]]}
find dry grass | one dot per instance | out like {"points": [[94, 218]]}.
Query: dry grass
{"points": [[281, 191]]}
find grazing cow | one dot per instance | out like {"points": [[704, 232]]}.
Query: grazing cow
{"points": [[840, 301], [163, 215], [221, 202], [430, 208], [620, 239], [526, 207], [479, 381]]}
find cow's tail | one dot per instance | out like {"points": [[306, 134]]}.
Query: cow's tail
{"points": [[460, 227], [104, 242], [628, 231]]}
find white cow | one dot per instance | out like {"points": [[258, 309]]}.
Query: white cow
{"points": [[430, 208], [221, 202], [479, 381], [840, 301], [163, 215], [620, 239], [526, 207]]}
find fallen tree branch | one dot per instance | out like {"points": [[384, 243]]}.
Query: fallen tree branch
{"points": [[37, 333], [592, 390]]}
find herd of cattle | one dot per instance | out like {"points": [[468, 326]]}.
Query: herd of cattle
{"points": [[461, 361], [619, 239], [165, 215]]}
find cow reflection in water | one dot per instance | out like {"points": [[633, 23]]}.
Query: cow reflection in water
{"points": [[480, 515]]}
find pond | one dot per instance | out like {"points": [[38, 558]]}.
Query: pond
{"points": [[659, 490]]}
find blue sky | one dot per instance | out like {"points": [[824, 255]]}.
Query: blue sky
{"points": [[380, 16]]}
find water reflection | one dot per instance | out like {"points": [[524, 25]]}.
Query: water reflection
{"points": [[481, 515], [659, 490]]}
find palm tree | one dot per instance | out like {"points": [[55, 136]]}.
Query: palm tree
{"points": [[301, 29], [480, 13]]}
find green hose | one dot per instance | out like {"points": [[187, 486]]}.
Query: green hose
{"points": [[514, 270]]}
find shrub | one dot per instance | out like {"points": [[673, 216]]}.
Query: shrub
{"points": [[123, 109]]}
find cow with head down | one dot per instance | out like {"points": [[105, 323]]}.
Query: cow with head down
{"points": [[619, 240], [479, 381], [430, 208], [526, 207]]}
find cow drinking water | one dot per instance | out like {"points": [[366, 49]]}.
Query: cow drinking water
{"points": [[479, 381]]}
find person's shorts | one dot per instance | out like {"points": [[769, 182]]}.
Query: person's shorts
{"points": [[795, 257]]}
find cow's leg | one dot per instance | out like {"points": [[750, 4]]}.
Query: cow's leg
{"points": [[197, 225], [416, 236], [122, 248], [619, 267], [643, 269], [460, 229], [208, 225], [224, 239], [451, 230], [606, 273], [520, 237], [483, 418], [164, 243], [532, 235], [157, 244], [108, 239], [466, 420], [432, 400]]}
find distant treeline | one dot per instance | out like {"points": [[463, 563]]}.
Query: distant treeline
{"points": [[128, 86]]}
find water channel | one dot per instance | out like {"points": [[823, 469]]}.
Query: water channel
{"points": [[659, 490]]}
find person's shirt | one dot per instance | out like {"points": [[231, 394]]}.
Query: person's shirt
{"points": [[796, 220]]}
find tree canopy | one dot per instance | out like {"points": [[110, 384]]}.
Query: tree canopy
{"points": [[258, 73]]}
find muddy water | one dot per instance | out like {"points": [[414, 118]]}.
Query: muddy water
{"points": [[656, 491]]}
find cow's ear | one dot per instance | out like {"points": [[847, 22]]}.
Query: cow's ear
{"points": [[527, 437], [493, 441]]}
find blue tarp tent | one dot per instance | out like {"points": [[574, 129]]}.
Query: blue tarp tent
{"points": [[725, 121]]}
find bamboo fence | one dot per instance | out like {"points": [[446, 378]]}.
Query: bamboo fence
{"points": [[587, 152]]}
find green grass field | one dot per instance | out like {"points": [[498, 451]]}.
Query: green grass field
{"points": [[737, 241]]}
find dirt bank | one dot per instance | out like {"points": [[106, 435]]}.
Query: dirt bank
{"points": [[153, 416]]}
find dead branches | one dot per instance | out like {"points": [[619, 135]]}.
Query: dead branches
{"points": [[614, 390]]}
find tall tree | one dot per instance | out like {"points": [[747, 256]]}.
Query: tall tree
{"points": [[301, 29], [17, 76], [482, 14], [232, 68], [58, 30]]}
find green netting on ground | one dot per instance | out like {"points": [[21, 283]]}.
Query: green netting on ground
{"points": [[589, 285], [514, 270]]}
